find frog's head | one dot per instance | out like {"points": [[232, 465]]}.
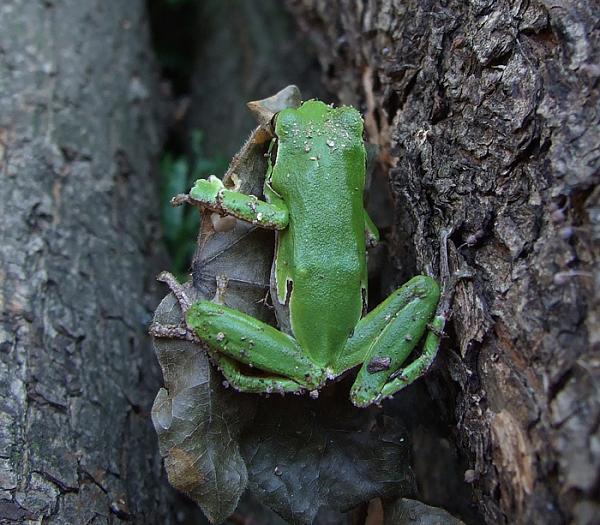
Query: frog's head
{"points": [[314, 116]]}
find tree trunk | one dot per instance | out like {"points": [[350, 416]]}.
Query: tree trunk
{"points": [[244, 51], [486, 114], [79, 133]]}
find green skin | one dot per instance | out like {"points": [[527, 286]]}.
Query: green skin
{"points": [[314, 193]]}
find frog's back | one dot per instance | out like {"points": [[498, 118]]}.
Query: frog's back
{"points": [[320, 173]]}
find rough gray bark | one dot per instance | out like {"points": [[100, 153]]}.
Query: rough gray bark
{"points": [[487, 114], [78, 137]]}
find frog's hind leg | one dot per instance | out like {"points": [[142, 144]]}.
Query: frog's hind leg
{"points": [[247, 340], [233, 338], [385, 338], [236, 378], [230, 369], [404, 377]]}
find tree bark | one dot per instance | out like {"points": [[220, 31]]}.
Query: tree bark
{"points": [[244, 51], [486, 114], [79, 134]]}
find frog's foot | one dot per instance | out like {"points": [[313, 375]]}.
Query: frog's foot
{"points": [[173, 331], [177, 289], [250, 342], [385, 338]]}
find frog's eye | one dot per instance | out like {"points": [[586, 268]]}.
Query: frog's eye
{"points": [[285, 123], [352, 121]]}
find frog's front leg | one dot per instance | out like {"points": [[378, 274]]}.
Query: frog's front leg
{"points": [[212, 194], [242, 339], [385, 337]]}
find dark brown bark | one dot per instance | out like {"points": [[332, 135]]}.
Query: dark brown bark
{"points": [[487, 116], [78, 139]]}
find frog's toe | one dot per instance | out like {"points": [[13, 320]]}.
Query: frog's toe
{"points": [[315, 378], [362, 396]]}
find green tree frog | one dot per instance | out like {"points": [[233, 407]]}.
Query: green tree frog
{"points": [[314, 201]]}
